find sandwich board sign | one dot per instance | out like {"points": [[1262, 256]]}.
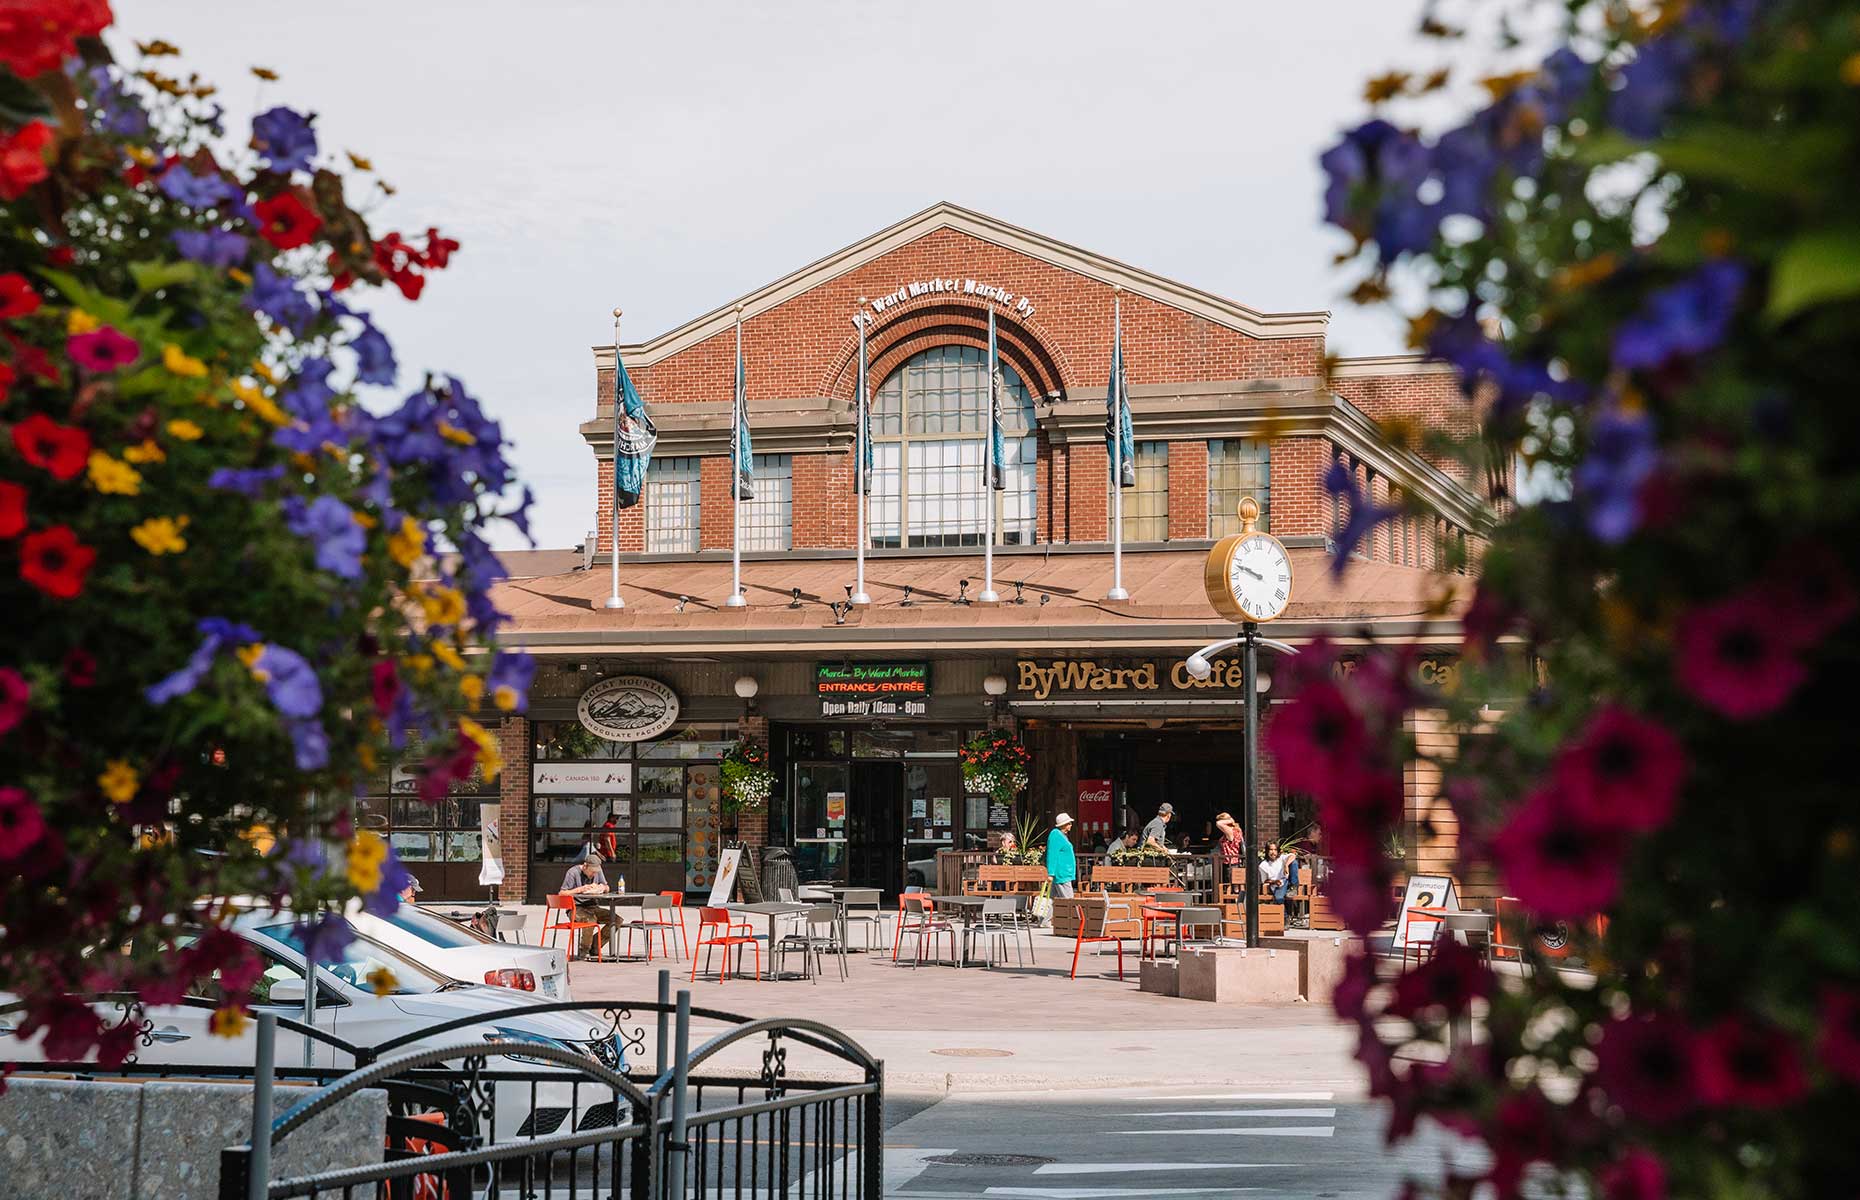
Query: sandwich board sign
{"points": [[727, 866], [1424, 891]]}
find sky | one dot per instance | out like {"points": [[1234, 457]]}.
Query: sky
{"points": [[666, 157]]}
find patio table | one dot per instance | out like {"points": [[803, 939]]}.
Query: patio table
{"points": [[769, 911], [614, 901], [968, 909]]}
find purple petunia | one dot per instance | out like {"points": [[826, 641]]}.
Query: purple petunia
{"points": [[509, 680], [395, 877], [309, 743], [1363, 517], [278, 297], [196, 191], [1607, 483], [220, 248], [1688, 318], [247, 481], [374, 357], [328, 523], [216, 634], [309, 394], [284, 138], [323, 937], [290, 681], [1650, 85], [117, 111]]}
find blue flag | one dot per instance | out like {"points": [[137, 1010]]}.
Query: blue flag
{"points": [[634, 437], [997, 471], [1119, 439], [745, 458]]}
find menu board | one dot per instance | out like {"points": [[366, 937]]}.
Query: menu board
{"points": [[702, 844]]}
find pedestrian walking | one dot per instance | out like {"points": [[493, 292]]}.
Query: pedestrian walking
{"points": [[1158, 829], [1062, 865]]}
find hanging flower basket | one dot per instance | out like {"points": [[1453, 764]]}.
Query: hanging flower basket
{"points": [[995, 763], [747, 779]]}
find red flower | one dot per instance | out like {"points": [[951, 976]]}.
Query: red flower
{"points": [[55, 562], [21, 822], [1359, 807], [1315, 736], [1448, 981], [438, 249], [32, 360], [61, 256], [1734, 658], [287, 222], [14, 693], [7, 376], [80, 667], [17, 299], [102, 350], [1623, 768], [1639, 1175], [1840, 1032], [1645, 1064], [61, 450], [1558, 860], [22, 158], [37, 36], [384, 681], [1748, 1064], [12, 509], [1519, 1135]]}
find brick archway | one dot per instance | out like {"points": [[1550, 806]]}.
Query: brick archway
{"points": [[940, 321]]}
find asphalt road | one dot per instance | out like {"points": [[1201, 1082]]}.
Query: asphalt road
{"points": [[1099, 1145]]}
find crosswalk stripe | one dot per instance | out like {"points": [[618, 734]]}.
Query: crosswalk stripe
{"points": [[1243, 1112], [1242, 1130], [1146, 1168]]}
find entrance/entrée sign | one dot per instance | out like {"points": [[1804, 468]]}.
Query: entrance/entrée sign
{"points": [[581, 779], [627, 708], [897, 689]]}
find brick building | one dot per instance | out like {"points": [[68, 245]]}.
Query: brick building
{"points": [[1226, 401]]}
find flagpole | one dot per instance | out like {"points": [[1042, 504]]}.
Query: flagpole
{"points": [[989, 499], [739, 412], [861, 483], [1117, 591], [613, 598]]}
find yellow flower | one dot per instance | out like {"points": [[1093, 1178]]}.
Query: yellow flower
{"points": [[366, 753], [420, 664], [185, 429], [148, 452], [472, 688], [1850, 70], [364, 877], [506, 697], [448, 656], [442, 605], [381, 981], [249, 655], [490, 761], [227, 1022], [81, 322], [368, 846], [119, 781], [264, 372], [257, 402], [409, 543], [112, 477], [239, 277], [179, 363], [364, 520], [161, 535], [455, 435]]}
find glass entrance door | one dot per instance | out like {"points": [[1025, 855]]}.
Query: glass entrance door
{"points": [[874, 843]]}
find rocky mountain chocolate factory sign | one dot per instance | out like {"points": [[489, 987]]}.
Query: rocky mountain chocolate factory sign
{"points": [[627, 708]]}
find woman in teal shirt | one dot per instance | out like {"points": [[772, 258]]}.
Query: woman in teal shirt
{"points": [[1062, 865]]}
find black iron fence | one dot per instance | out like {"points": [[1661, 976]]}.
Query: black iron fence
{"points": [[471, 1117]]}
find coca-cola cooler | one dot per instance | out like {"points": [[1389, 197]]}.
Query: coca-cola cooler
{"points": [[1095, 813]]}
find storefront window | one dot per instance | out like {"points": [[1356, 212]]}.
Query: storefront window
{"points": [[816, 787], [698, 740], [817, 743], [1237, 468], [570, 741], [1146, 506], [439, 842], [882, 743], [672, 505], [768, 519], [929, 425]]}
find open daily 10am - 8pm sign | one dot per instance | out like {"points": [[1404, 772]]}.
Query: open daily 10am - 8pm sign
{"points": [[894, 689]]}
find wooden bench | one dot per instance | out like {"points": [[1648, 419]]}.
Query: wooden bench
{"points": [[1233, 907], [1069, 913], [1000, 879], [1106, 878]]}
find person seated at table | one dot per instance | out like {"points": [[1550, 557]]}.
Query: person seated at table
{"points": [[1126, 840], [586, 878], [1009, 846], [1280, 873]]}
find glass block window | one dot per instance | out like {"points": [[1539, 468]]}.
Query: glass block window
{"points": [[929, 425], [768, 520], [1236, 469], [1146, 506], [672, 506]]}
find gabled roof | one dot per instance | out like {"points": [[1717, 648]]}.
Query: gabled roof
{"points": [[984, 228]]}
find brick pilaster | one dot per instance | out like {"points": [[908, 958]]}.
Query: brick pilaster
{"points": [[752, 828], [513, 814]]}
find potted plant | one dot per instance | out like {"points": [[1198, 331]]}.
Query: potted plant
{"points": [[1029, 845], [995, 763], [747, 777]]}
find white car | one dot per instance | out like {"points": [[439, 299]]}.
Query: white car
{"points": [[347, 1007], [459, 952]]}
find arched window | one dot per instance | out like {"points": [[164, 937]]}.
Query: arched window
{"points": [[929, 422]]}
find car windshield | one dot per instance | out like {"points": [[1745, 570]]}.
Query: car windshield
{"points": [[360, 961], [435, 930]]}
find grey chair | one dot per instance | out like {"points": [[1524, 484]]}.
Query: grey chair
{"points": [[922, 922], [818, 935], [864, 907], [995, 928]]}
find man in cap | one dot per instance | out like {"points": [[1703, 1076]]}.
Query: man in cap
{"points": [[1157, 830], [1062, 864], [586, 878]]}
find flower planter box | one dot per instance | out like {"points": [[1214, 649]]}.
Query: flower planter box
{"points": [[993, 878], [1128, 879]]}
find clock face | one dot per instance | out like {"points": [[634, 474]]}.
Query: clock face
{"points": [[1259, 577]]}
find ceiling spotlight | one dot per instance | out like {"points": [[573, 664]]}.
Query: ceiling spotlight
{"points": [[796, 593], [840, 609], [1045, 597], [907, 597], [1018, 585], [962, 595], [848, 593], [682, 601]]}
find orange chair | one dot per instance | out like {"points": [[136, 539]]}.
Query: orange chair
{"points": [[729, 939], [1160, 912], [564, 903], [672, 919], [927, 927], [1113, 909]]}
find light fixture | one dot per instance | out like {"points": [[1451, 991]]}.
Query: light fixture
{"points": [[1018, 585], [962, 593], [682, 601], [796, 594], [1263, 683], [1044, 597], [747, 687], [1199, 667], [840, 609], [995, 685], [907, 597]]}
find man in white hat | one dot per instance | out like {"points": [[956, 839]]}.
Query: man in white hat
{"points": [[1062, 865]]}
